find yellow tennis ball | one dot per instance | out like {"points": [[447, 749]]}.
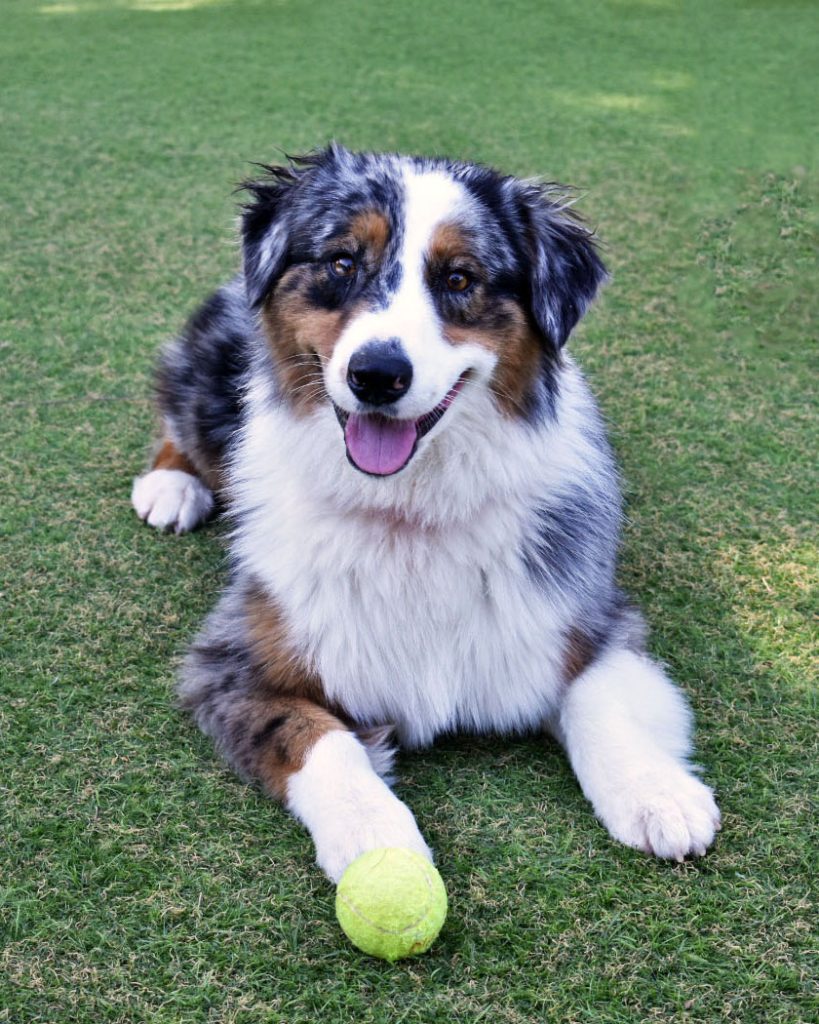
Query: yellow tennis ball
{"points": [[391, 903]]}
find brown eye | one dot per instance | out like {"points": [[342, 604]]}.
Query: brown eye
{"points": [[457, 281], [343, 266]]}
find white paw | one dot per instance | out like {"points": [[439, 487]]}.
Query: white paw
{"points": [[388, 824], [670, 814], [170, 499], [347, 807]]}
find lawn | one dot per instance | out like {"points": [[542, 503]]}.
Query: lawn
{"points": [[140, 881]]}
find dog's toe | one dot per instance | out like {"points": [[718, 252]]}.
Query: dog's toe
{"points": [[677, 827], [673, 818]]}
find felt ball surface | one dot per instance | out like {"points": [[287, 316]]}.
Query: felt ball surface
{"points": [[391, 903]]}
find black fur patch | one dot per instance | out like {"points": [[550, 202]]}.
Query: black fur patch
{"points": [[269, 729], [200, 375]]}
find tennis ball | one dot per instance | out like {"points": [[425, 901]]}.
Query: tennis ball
{"points": [[391, 903]]}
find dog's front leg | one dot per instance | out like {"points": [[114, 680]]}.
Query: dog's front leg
{"points": [[346, 806], [270, 727], [627, 731]]}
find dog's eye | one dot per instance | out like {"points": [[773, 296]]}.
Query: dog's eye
{"points": [[342, 266], [457, 281]]}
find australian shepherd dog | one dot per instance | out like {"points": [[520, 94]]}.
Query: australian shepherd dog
{"points": [[425, 507]]}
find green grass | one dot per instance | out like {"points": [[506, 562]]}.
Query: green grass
{"points": [[140, 881]]}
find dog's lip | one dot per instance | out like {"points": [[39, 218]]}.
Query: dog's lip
{"points": [[423, 425]]}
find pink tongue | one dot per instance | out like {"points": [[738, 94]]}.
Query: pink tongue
{"points": [[378, 445]]}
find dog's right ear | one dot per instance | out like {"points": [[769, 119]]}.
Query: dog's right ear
{"points": [[267, 220], [265, 229]]}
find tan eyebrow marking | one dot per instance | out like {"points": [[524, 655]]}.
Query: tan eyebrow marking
{"points": [[372, 230], [449, 243]]}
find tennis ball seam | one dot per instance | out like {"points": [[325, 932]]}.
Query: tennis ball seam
{"points": [[391, 931]]}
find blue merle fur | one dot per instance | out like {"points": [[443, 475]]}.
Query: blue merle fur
{"points": [[535, 251], [200, 377]]}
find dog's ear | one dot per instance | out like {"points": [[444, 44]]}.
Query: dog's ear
{"points": [[265, 229], [565, 267], [267, 218]]}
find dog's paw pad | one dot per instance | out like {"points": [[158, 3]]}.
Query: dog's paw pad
{"points": [[671, 821], [170, 499]]}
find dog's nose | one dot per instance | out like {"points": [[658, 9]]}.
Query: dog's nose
{"points": [[379, 372]]}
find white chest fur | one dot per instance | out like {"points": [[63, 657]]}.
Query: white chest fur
{"points": [[408, 595], [429, 632]]}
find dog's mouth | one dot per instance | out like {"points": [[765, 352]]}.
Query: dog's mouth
{"points": [[381, 445]]}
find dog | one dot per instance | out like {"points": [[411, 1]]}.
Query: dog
{"points": [[425, 506]]}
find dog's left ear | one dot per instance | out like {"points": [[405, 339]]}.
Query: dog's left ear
{"points": [[566, 269]]}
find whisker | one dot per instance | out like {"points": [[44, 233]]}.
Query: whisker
{"points": [[506, 396], [306, 382], [297, 358]]}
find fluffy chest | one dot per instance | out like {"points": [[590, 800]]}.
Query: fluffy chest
{"points": [[432, 630]]}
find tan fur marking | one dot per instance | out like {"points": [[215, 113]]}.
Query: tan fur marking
{"points": [[449, 244], [169, 457], [283, 731], [371, 230], [498, 325], [578, 655], [291, 716], [517, 347], [302, 339], [283, 669], [301, 336]]}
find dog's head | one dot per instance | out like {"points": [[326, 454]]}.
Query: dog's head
{"points": [[389, 285]]}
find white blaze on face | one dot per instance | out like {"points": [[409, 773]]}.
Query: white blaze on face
{"points": [[433, 198]]}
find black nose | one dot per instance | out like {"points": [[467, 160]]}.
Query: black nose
{"points": [[379, 372]]}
